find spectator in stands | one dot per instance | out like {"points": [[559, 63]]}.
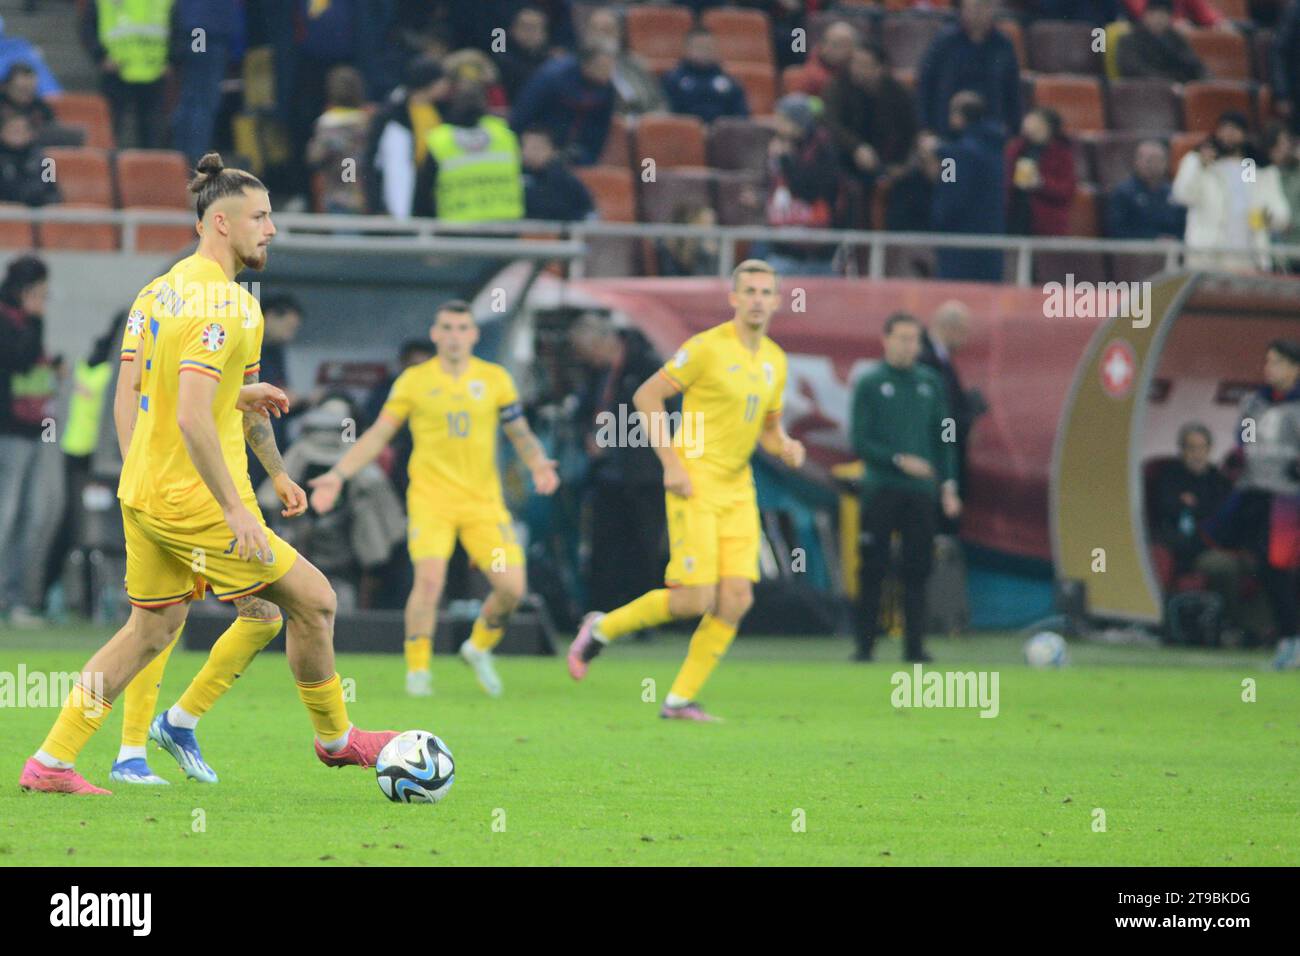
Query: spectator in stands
{"points": [[202, 67], [24, 176], [829, 60], [1153, 48], [947, 335], [787, 17], [1040, 177], [699, 86], [574, 98], [18, 94], [339, 141], [15, 49], [1229, 214], [636, 88], [803, 185], [399, 137], [31, 466], [1285, 66], [526, 50], [1283, 152], [473, 171], [896, 427], [872, 117], [551, 191], [971, 55], [472, 23], [129, 42], [1261, 515], [969, 196], [689, 255], [1097, 12], [624, 483], [471, 67], [1201, 13], [911, 190], [1141, 207]]}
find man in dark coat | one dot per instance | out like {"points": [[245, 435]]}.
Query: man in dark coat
{"points": [[972, 200]]}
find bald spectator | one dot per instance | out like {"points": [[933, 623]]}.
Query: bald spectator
{"points": [[1153, 48], [698, 86], [525, 51], [829, 60], [970, 55], [574, 98], [636, 89], [947, 335], [1140, 207]]}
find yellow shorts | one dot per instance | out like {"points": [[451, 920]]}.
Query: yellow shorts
{"points": [[486, 532], [712, 534], [168, 565]]}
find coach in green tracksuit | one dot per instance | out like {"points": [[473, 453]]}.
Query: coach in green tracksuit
{"points": [[902, 431]]}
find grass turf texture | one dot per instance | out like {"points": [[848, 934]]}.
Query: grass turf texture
{"points": [[1186, 772]]}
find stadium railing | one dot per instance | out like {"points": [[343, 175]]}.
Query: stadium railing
{"points": [[572, 241]]}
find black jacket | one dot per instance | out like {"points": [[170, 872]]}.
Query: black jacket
{"points": [[1142, 53], [23, 349], [553, 192], [22, 178], [605, 391]]}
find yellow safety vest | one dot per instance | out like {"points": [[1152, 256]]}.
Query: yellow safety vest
{"points": [[89, 385], [480, 172], [135, 34]]}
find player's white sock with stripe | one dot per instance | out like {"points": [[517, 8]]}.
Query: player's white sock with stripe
{"points": [[54, 763], [130, 753], [674, 700], [178, 716], [334, 746]]}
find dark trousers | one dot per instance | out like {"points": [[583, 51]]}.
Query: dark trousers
{"points": [[912, 514], [145, 101], [627, 542], [1250, 528]]}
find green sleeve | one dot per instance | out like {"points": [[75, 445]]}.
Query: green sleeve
{"points": [[874, 452]]}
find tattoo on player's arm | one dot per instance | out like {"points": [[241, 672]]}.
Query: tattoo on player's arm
{"points": [[261, 438], [526, 444]]}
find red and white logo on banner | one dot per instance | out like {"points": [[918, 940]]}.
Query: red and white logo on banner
{"points": [[1118, 368]]}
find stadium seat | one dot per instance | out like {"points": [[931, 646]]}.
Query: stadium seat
{"points": [[16, 233], [153, 179], [736, 143], [1224, 53], [1085, 215], [1204, 103], [57, 134], [1063, 46], [906, 39], [82, 175], [1234, 9], [1112, 156], [863, 19], [1150, 105], [1262, 55], [673, 188], [670, 140], [759, 83], [612, 189], [618, 150], [1180, 144], [738, 198], [792, 78], [1110, 59], [89, 111], [1264, 106], [83, 237], [1082, 150], [658, 34], [1085, 222], [1076, 98], [743, 36]]}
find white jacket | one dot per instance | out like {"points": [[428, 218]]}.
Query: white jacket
{"points": [[1203, 191]]}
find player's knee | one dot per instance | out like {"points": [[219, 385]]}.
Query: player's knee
{"points": [[427, 586], [155, 630], [697, 601], [509, 593], [735, 600]]}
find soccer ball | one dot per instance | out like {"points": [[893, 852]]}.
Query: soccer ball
{"points": [[415, 767], [1046, 649]]}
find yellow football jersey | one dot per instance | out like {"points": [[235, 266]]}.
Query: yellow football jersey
{"points": [[454, 429], [728, 393], [192, 319]]}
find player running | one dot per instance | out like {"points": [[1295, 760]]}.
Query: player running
{"points": [[731, 378], [454, 402], [189, 523]]}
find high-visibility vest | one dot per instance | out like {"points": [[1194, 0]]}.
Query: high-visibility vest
{"points": [[89, 386], [135, 35], [480, 172]]}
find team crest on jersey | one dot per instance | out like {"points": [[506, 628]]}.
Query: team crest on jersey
{"points": [[135, 322], [923, 388], [214, 336], [768, 372], [887, 389], [680, 358], [477, 389], [249, 320]]}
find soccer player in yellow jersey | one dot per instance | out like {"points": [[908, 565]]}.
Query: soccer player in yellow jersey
{"points": [[454, 403], [188, 509], [731, 377]]}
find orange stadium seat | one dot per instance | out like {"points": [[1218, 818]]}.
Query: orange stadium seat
{"points": [[612, 189], [1085, 222], [1112, 156], [1062, 46], [737, 143], [906, 39], [1234, 9], [1224, 53], [90, 112], [738, 198], [1076, 98], [1150, 105], [617, 151], [792, 78], [1203, 103], [670, 140], [658, 34], [82, 174], [759, 83], [1180, 145], [155, 179], [673, 188], [742, 35], [16, 233]]}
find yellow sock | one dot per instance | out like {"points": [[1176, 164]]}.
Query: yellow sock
{"points": [[709, 642], [649, 610], [83, 713], [229, 657], [485, 638], [324, 701], [419, 652], [141, 696]]}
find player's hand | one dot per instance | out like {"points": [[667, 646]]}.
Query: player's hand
{"points": [[545, 480], [291, 494], [677, 481], [915, 465], [325, 491], [793, 453], [250, 539], [263, 398], [950, 502]]}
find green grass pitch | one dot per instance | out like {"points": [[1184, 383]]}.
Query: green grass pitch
{"points": [[1185, 771]]}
